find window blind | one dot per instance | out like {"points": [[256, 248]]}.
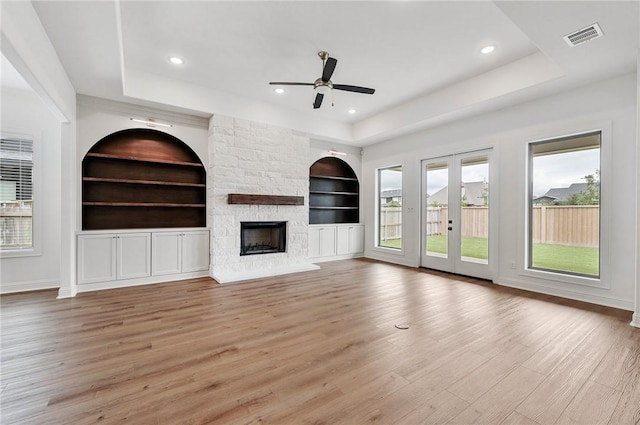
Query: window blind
{"points": [[16, 193]]}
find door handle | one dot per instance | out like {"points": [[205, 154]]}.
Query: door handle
{"points": [[450, 228]]}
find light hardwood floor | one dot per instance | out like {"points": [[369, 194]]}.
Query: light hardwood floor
{"points": [[318, 348]]}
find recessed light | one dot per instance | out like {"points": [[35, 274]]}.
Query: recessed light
{"points": [[487, 49], [352, 111], [279, 90], [176, 60]]}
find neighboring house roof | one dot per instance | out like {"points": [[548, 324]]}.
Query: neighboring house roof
{"points": [[561, 194], [441, 197], [544, 199], [472, 191], [391, 193]]}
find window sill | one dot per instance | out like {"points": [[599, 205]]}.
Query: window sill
{"points": [[594, 282], [18, 253]]}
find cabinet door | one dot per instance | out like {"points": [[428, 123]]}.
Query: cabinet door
{"points": [[96, 258], [314, 242], [195, 251], [327, 241], [134, 255], [342, 241], [356, 239], [166, 253]]}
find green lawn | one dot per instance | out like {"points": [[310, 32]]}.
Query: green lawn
{"points": [[573, 259], [471, 247], [392, 243]]}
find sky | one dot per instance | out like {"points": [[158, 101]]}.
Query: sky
{"points": [[549, 171], [560, 170]]}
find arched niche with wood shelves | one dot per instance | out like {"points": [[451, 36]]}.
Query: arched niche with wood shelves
{"points": [[142, 178], [334, 192]]}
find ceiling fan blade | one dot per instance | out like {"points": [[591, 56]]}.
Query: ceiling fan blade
{"points": [[318, 101], [354, 89], [329, 67], [284, 83]]}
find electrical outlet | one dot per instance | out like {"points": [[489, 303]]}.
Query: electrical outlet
{"points": [[513, 265]]}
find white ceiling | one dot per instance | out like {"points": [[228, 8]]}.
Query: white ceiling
{"points": [[422, 58]]}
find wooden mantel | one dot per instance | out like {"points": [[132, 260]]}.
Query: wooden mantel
{"points": [[240, 198]]}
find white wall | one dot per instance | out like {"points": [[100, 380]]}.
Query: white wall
{"points": [[610, 104], [24, 113], [98, 118], [636, 317], [26, 45]]}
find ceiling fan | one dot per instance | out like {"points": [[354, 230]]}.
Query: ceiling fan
{"points": [[324, 85]]}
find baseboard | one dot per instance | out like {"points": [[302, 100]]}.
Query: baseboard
{"points": [[34, 285], [564, 293], [232, 277], [635, 321], [66, 293], [99, 286], [390, 258], [335, 258]]}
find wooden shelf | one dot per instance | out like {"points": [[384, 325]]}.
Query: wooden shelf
{"points": [[133, 181], [351, 179], [131, 158], [323, 192], [333, 208], [123, 188]]}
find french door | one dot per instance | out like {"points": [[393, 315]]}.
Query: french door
{"points": [[456, 210]]}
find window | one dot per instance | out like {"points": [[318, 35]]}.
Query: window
{"points": [[390, 207], [564, 205], [16, 194]]}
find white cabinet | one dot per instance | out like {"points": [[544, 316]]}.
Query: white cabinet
{"points": [[350, 239], [322, 241], [195, 251], [166, 257], [180, 252], [112, 256], [131, 257], [133, 254], [335, 241], [96, 258]]}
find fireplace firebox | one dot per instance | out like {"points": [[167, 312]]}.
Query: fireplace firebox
{"points": [[263, 237]]}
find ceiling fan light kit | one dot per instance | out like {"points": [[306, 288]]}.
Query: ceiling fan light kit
{"points": [[323, 85]]}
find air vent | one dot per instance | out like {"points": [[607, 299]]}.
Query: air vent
{"points": [[583, 35]]}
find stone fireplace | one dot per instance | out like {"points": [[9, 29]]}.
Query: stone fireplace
{"points": [[263, 237], [246, 157]]}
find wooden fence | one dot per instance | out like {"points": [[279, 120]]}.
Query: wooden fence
{"points": [[577, 225], [390, 223], [16, 224]]}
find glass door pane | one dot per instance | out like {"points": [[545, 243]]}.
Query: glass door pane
{"points": [[437, 210], [474, 209]]}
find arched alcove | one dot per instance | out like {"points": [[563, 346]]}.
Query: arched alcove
{"points": [[334, 192], [142, 178]]}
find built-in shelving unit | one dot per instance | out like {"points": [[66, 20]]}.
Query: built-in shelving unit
{"points": [[142, 178], [333, 192]]}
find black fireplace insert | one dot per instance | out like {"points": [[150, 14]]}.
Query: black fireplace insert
{"points": [[263, 237]]}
